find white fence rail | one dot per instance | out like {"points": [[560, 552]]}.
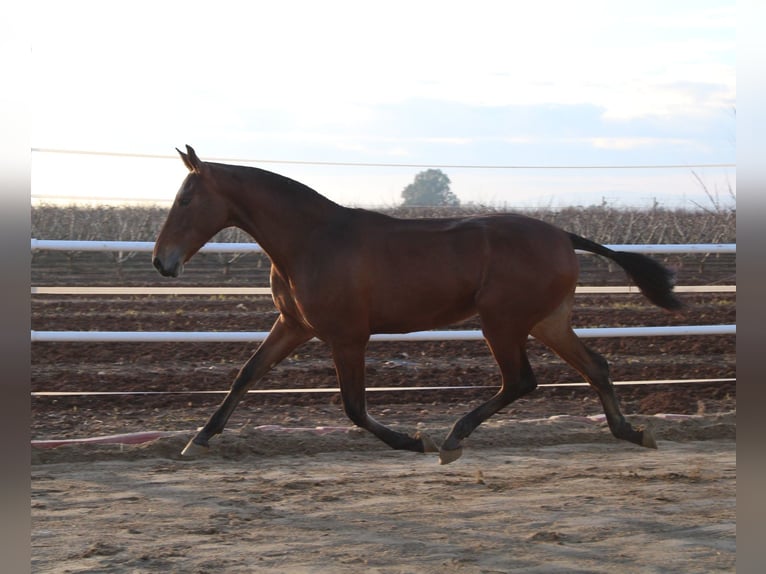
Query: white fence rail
{"points": [[137, 246], [144, 246], [255, 336]]}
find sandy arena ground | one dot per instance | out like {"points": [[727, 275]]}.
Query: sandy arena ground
{"points": [[534, 495]]}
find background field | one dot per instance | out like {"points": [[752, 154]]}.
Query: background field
{"points": [[292, 487], [193, 367]]}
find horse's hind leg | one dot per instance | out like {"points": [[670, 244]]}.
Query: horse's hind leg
{"points": [[283, 338], [349, 365], [518, 380], [556, 332]]}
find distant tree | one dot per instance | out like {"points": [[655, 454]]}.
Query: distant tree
{"points": [[431, 187]]}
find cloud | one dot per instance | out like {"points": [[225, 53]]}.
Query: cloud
{"points": [[486, 83], [175, 59], [632, 143]]}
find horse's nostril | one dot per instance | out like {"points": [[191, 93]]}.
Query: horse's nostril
{"points": [[157, 264]]}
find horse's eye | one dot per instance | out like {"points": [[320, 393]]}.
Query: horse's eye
{"points": [[184, 199]]}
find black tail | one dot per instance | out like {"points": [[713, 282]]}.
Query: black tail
{"points": [[653, 279]]}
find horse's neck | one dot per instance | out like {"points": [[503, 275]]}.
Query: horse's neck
{"points": [[281, 214]]}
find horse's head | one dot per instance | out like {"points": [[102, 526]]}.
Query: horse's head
{"points": [[198, 213]]}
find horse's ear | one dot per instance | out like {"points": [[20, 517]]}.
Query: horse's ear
{"points": [[190, 159], [185, 159]]}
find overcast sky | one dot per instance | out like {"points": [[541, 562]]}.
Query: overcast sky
{"points": [[501, 84]]}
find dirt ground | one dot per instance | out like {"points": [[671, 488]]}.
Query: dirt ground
{"points": [[534, 495], [292, 487]]}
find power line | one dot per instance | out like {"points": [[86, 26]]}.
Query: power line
{"points": [[381, 164]]}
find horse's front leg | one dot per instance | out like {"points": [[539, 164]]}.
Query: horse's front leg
{"points": [[349, 365], [283, 338]]}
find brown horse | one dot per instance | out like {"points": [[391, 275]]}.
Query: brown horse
{"points": [[341, 274]]}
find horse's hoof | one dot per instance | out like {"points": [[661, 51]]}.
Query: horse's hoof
{"points": [[448, 456], [428, 444], [193, 449], [647, 439]]}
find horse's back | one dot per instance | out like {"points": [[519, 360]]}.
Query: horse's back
{"points": [[507, 239], [439, 271]]}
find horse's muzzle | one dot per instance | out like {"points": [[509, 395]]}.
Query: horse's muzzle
{"points": [[167, 271]]}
